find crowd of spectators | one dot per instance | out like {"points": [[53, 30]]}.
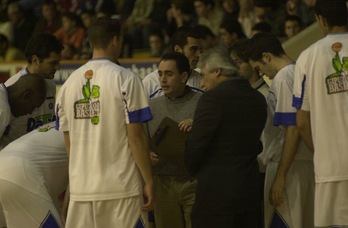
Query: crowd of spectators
{"points": [[146, 22]]}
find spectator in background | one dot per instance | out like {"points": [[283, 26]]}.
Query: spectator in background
{"points": [[22, 25], [208, 38], [230, 31], [50, 20], [292, 26], [71, 35], [85, 52], [135, 23], [181, 13], [7, 52], [261, 27], [157, 43], [303, 9], [230, 9], [209, 14]]}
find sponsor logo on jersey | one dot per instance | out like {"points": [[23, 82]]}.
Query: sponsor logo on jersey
{"points": [[89, 106], [35, 122], [337, 82]]}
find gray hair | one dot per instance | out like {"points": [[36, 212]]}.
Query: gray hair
{"points": [[217, 58]]}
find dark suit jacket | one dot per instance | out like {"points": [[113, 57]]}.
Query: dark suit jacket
{"points": [[222, 149]]}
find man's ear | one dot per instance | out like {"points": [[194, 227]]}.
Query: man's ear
{"points": [[185, 77], [266, 56], [218, 72], [35, 60], [322, 21], [177, 48]]}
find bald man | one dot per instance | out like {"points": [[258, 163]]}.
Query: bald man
{"points": [[21, 98]]}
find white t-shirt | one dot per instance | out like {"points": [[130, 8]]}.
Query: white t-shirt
{"points": [[43, 152], [153, 88], [280, 113], [321, 87], [44, 114], [5, 110], [95, 104]]}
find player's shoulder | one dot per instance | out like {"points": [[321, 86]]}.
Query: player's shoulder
{"points": [[15, 77], [151, 77]]}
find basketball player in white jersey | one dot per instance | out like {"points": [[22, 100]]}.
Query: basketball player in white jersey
{"points": [[43, 53], [289, 181], [33, 173], [101, 109], [321, 97]]}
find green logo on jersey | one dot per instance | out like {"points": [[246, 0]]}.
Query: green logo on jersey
{"points": [[337, 82], [89, 106]]}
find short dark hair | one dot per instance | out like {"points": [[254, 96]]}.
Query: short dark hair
{"points": [[182, 63], [294, 18], [157, 32], [102, 31], [3, 38], [181, 34], [207, 2], [42, 45], [233, 26], [204, 31], [262, 26], [335, 11], [239, 48], [264, 42]]}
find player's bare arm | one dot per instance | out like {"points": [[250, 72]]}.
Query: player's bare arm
{"points": [[139, 148], [290, 147], [303, 121]]}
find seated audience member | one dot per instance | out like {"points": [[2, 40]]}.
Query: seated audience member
{"points": [[33, 173], [209, 14], [71, 35], [292, 26], [157, 43], [181, 13], [7, 52], [20, 98], [230, 31], [208, 38], [50, 20], [261, 27], [22, 25]]}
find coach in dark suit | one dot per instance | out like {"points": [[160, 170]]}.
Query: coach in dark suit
{"points": [[222, 149]]}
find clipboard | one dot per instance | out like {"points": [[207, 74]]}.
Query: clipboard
{"points": [[169, 142]]}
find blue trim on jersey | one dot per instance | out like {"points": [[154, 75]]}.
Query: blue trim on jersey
{"points": [[141, 115], [277, 221], [49, 221], [140, 223], [196, 89], [284, 118], [154, 93], [297, 101], [57, 119]]}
